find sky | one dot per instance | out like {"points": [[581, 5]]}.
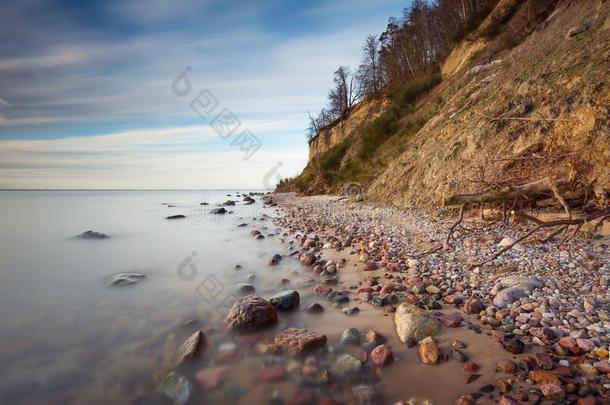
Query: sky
{"points": [[192, 94]]}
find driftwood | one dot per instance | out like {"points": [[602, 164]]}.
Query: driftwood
{"points": [[563, 225], [531, 190]]}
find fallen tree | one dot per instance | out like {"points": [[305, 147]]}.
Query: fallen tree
{"points": [[532, 191]]}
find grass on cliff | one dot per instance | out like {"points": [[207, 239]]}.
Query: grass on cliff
{"points": [[387, 124]]}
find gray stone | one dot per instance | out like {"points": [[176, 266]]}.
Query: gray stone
{"points": [[346, 365], [286, 300], [176, 387], [414, 322]]}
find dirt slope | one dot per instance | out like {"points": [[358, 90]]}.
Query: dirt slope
{"points": [[529, 100]]}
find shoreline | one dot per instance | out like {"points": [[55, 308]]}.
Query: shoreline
{"points": [[560, 303]]}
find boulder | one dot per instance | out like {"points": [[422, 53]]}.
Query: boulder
{"points": [[250, 313], [413, 322], [286, 300], [507, 296], [381, 355], [220, 210], [298, 342], [122, 279], [473, 306]]}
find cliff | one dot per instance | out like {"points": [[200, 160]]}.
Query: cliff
{"points": [[523, 97]]}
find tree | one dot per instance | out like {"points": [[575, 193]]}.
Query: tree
{"points": [[369, 75], [345, 94]]}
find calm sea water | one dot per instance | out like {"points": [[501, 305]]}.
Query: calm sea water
{"points": [[65, 334]]}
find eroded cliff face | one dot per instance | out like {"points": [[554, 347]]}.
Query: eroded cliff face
{"points": [[532, 100], [334, 134]]}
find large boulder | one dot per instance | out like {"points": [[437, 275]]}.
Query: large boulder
{"points": [[298, 342], [413, 322], [250, 313]]}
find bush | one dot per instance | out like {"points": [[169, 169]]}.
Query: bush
{"points": [[384, 126], [330, 160]]}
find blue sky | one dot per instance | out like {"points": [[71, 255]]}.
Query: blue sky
{"points": [[86, 96]]}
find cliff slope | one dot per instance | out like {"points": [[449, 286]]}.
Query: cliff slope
{"points": [[524, 97]]}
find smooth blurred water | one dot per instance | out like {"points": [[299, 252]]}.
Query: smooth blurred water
{"points": [[64, 330]]}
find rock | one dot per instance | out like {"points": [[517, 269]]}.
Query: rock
{"points": [[222, 210], [350, 336], [346, 365], [271, 374], [464, 400], [602, 366], [518, 281], [470, 367], [381, 355], [298, 342], [372, 336], [552, 392], [286, 300], [122, 279], [513, 345], [507, 296], [314, 308], [176, 387], [452, 320], [432, 289], [275, 259], [367, 395], [509, 241], [419, 401], [588, 369], [307, 259], [544, 361], [92, 235], [506, 366], [543, 377], [176, 217], [250, 313], [211, 378], [428, 351], [507, 400], [350, 310], [586, 345], [370, 266], [322, 289], [244, 288], [229, 203], [458, 356], [191, 347], [414, 322], [473, 306], [304, 281]]}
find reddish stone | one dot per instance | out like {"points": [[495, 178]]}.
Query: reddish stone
{"points": [[470, 367], [552, 392], [365, 296], [370, 266], [381, 355], [297, 342], [322, 289], [544, 361], [589, 400], [452, 320], [473, 306], [251, 313], [602, 366], [585, 345], [270, 374], [211, 378], [454, 299], [412, 299], [544, 377], [568, 343], [386, 289]]}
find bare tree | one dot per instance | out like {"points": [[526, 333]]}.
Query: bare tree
{"points": [[345, 94], [369, 76]]}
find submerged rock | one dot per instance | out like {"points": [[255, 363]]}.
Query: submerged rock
{"points": [[350, 336], [191, 347], [250, 313], [346, 365], [179, 216], [220, 210], [414, 322], [298, 342], [176, 387], [130, 278], [92, 235], [367, 395], [244, 288]]}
